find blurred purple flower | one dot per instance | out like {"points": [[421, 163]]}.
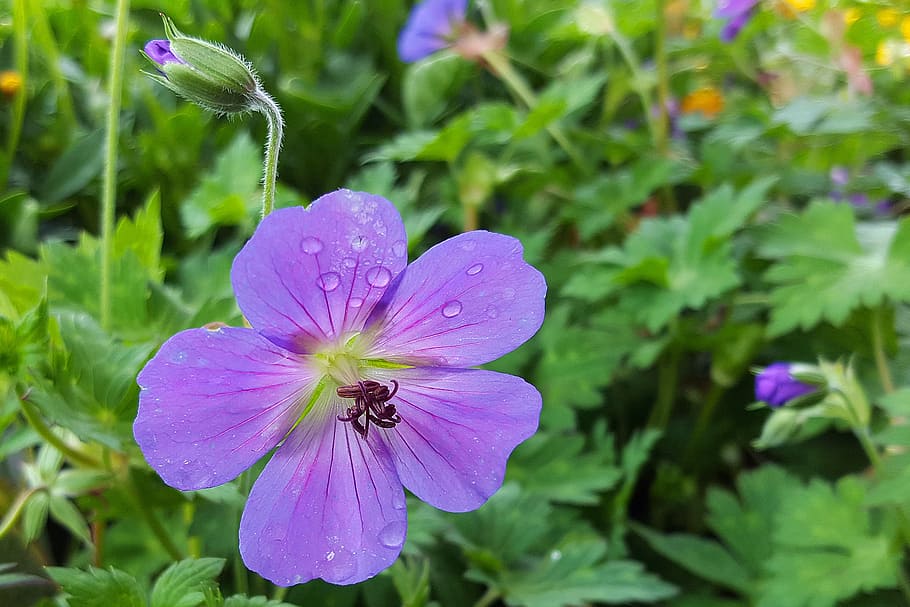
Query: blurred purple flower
{"points": [[160, 52], [737, 14], [775, 385], [432, 26], [358, 369]]}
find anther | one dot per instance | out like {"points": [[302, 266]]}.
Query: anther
{"points": [[370, 403]]}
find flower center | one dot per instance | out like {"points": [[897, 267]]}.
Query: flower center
{"points": [[370, 405]]}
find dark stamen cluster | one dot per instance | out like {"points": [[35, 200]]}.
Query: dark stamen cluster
{"points": [[370, 398]]}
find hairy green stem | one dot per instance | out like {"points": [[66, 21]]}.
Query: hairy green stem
{"points": [[17, 116], [634, 65], [502, 67], [109, 186], [488, 598], [273, 116], [151, 520], [34, 420]]}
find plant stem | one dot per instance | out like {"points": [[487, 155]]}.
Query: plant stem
{"points": [[881, 359], [489, 597], [273, 116], [668, 376], [241, 583], [15, 510], [109, 187], [34, 419], [704, 417], [280, 593], [17, 116], [151, 520], [502, 67]]}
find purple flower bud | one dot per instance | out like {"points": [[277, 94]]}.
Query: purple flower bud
{"points": [[775, 385], [737, 14], [431, 26], [160, 52]]}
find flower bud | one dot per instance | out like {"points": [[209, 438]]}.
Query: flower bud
{"points": [[776, 385], [210, 75]]}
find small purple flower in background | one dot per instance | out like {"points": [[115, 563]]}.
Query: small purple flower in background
{"points": [[737, 14], [432, 26], [357, 369], [775, 385], [160, 52]]}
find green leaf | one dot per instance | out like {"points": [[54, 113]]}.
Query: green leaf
{"points": [[98, 587], [558, 469], [22, 281], [823, 532], [34, 515], [229, 194], [827, 266], [143, 236], [64, 512], [74, 169], [572, 575], [746, 525], [705, 558], [182, 584], [428, 85]]}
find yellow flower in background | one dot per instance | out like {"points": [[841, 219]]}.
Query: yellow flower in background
{"points": [[707, 100], [884, 54], [800, 6], [887, 17], [851, 16], [10, 82], [905, 28]]}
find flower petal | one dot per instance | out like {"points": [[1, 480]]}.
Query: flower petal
{"points": [[307, 276], [429, 25], [213, 402], [457, 429], [465, 302], [327, 505]]}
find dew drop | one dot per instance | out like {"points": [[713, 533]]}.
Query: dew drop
{"points": [[468, 245], [330, 556], [340, 567], [399, 502], [392, 535], [349, 262], [358, 243], [508, 293], [355, 302], [491, 312], [379, 276], [400, 248], [451, 309], [475, 269], [311, 245], [329, 281]]}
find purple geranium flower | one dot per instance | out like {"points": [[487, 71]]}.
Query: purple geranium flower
{"points": [[432, 26], [160, 52], [737, 14], [775, 385], [357, 369]]}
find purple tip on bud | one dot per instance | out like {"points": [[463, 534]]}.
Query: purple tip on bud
{"points": [[775, 385], [160, 52]]}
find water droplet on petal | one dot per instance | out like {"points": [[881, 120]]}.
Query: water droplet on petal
{"points": [[349, 262], [310, 245], [400, 248], [355, 302], [451, 309], [330, 555], [508, 293], [399, 502], [491, 312], [340, 567], [392, 535], [358, 243], [329, 281], [379, 276], [468, 245], [475, 269]]}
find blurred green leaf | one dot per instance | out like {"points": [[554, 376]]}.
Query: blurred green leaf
{"points": [[182, 584], [98, 587], [428, 85], [74, 169]]}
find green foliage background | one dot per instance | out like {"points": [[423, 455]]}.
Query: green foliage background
{"points": [[682, 247]]}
